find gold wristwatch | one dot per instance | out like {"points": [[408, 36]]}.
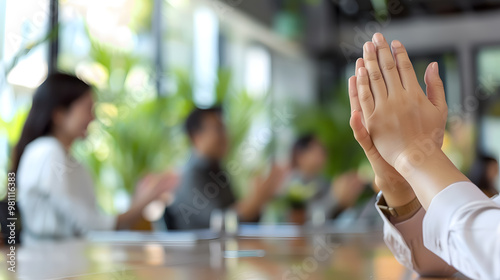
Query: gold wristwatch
{"points": [[399, 211]]}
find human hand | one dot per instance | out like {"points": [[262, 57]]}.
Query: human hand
{"points": [[154, 186], [347, 188], [386, 177], [266, 187], [399, 117], [263, 190]]}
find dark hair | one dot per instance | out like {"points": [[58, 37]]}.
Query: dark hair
{"points": [[301, 144], [194, 121], [478, 172], [57, 91]]}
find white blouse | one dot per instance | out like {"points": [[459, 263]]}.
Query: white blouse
{"points": [[461, 226], [56, 194]]}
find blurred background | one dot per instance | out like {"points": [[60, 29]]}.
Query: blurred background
{"points": [[279, 68]]}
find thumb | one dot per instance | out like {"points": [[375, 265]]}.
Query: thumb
{"points": [[360, 133], [435, 88], [363, 137]]}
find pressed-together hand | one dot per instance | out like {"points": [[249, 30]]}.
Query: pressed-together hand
{"points": [[396, 189], [398, 115], [393, 119], [386, 177]]}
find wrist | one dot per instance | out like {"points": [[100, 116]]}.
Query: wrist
{"points": [[413, 162], [395, 188], [398, 195], [415, 155], [428, 174], [399, 213], [421, 147]]}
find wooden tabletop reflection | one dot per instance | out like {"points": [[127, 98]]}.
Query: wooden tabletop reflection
{"points": [[316, 256]]}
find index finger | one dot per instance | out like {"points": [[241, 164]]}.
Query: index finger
{"points": [[353, 95]]}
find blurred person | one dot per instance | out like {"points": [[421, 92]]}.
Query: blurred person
{"points": [[484, 173], [205, 185], [306, 188], [435, 220], [55, 192]]}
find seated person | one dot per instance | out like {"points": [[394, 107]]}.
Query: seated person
{"points": [[55, 192], [484, 173], [205, 185], [306, 189], [436, 220]]}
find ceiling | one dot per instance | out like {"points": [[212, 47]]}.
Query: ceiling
{"points": [[322, 19], [264, 11]]}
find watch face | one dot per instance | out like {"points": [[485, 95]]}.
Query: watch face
{"points": [[384, 209]]}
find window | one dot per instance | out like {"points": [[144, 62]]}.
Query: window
{"points": [[23, 53], [205, 55], [488, 96]]}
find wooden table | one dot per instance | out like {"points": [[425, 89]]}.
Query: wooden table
{"points": [[313, 256]]}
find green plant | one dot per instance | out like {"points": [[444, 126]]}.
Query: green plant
{"points": [[13, 127], [147, 138], [128, 141], [135, 131], [329, 121], [298, 194]]}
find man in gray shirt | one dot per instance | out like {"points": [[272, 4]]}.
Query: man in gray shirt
{"points": [[205, 185]]}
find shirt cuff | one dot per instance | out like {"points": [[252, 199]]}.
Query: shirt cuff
{"points": [[438, 219], [394, 240]]}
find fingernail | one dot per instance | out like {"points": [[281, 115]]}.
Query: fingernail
{"points": [[435, 67], [396, 44], [378, 38], [362, 72], [369, 47]]}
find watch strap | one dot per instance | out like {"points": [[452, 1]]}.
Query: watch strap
{"points": [[399, 211]]}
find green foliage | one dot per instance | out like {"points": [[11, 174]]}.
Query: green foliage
{"points": [[132, 137], [329, 121], [30, 46], [144, 139], [140, 19], [13, 129], [242, 111], [298, 194], [14, 126]]}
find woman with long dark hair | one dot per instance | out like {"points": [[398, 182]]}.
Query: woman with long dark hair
{"points": [[55, 192]]}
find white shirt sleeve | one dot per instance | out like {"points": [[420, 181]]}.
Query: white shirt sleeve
{"points": [[405, 241], [462, 226], [65, 176], [56, 194]]}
